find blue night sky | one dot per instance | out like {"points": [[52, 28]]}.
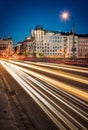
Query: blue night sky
{"points": [[17, 17]]}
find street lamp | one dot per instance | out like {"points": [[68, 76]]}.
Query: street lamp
{"points": [[65, 15]]}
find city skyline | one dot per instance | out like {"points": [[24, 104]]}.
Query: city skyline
{"points": [[18, 17]]}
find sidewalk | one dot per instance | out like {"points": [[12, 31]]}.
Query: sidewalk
{"points": [[6, 117]]}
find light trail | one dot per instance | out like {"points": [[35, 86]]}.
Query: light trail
{"points": [[36, 95], [47, 89], [54, 94], [32, 93], [60, 66], [51, 71], [68, 88]]}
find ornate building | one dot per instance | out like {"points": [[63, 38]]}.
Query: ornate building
{"points": [[6, 47]]}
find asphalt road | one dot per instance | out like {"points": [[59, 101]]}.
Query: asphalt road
{"points": [[55, 96]]}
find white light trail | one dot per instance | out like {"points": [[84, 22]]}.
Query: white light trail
{"points": [[21, 77], [61, 66], [51, 71], [68, 88]]}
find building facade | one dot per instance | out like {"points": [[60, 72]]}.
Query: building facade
{"points": [[6, 47], [26, 47], [83, 46], [54, 44]]}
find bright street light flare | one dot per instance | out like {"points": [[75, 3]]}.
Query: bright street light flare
{"points": [[65, 15]]}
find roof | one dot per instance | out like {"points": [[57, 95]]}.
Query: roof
{"points": [[82, 35], [29, 40], [38, 27], [57, 32]]}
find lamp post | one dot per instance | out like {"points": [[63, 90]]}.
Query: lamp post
{"points": [[73, 45], [65, 15]]}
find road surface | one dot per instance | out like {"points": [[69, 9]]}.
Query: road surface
{"points": [[52, 96]]}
